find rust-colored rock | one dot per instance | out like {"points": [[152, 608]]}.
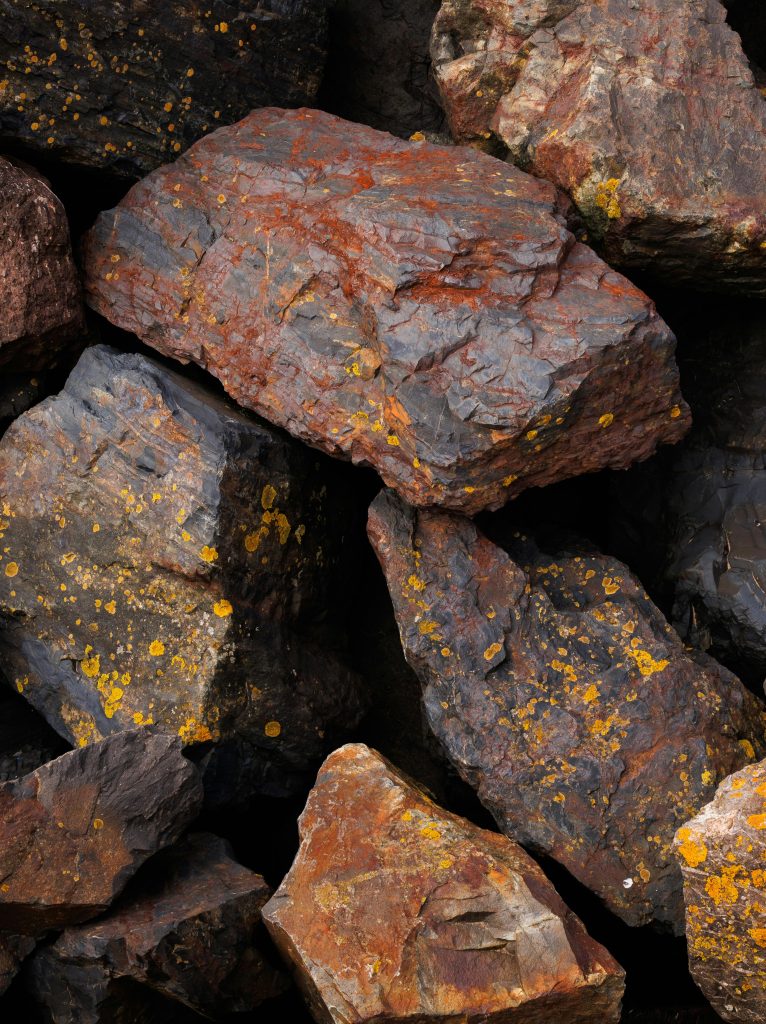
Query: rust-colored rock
{"points": [[165, 559], [648, 115], [396, 910], [564, 698], [190, 930], [421, 309], [722, 853], [74, 832]]}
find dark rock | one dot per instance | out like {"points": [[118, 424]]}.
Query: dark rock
{"points": [[647, 115], [395, 909], [131, 87], [26, 740], [166, 560], [13, 950], [564, 698], [190, 932], [75, 831]]}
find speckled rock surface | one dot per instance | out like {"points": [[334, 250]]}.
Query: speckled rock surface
{"points": [[647, 114], [128, 87], [75, 831], [562, 695], [165, 560], [722, 853], [420, 309], [395, 909]]}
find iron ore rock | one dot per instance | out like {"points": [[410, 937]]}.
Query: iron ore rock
{"points": [[75, 831], [648, 115], [561, 694], [165, 560], [129, 87], [190, 932], [722, 853], [420, 309], [395, 909]]}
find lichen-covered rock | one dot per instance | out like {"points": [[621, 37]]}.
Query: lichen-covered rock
{"points": [[165, 560], [198, 902], [417, 308], [395, 909], [128, 88], [722, 853], [648, 115], [74, 832], [563, 697]]}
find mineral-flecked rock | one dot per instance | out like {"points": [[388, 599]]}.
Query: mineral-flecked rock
{"points": [[417, 308], [165, 560], [75, 831], [200, 902], [722, 853], [563, 697], [128, 88], [395, 909], [648, 115]]}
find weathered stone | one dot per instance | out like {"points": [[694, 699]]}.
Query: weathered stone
{"points": [[129, 88], [397, 910], [417, 308], [75, 831], [648, 116], [564, 698], [165, 560], [722, 853], [189, 931]]}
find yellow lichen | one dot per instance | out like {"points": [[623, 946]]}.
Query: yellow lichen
{"points": [[272, 729], [156, 648], [223, 608], [692, 851], [606, 198]]}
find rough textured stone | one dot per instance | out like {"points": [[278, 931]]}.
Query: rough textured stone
{"points": [[395, 909], [722, 852], [190, 932], [26, 740], [74, 832], [417, 308], [648, 115], [165, 560], [561, 694], [129, 87]]}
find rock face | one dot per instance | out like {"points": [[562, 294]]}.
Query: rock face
{"points": [[563, 697], [13, 950], [420, 309], [395, 909], [26, 741], [128, 89], [165, 560], [722, 852], [75, 831], [199, 901], [648, 116]]}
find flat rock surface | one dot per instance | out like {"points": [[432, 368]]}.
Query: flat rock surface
{"points": [[395, 909], [561, 694], [420, 309]]}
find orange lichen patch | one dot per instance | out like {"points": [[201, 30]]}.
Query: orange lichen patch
{"points": [[98, 824], [747, 746], [208, 554], [721, 888], [757, 821], [606, 198], [11, 569], [758, 935], [609, 585], [606, 420], [223, 608], [675, 412], [492, 650], [268, 496], [156, 648], [692, 851], [91, 666], [193, 731], [272, 729], [591, 694], [430, 831], [647, 665]]}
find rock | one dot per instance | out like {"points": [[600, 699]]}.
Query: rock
{"points": [[561, 694], [75, 831], [128, 89], [13, 951], [722, 853], [420, 309], [189, 932], [648, 116], [166, 560], [395, 909], [26, 740]]}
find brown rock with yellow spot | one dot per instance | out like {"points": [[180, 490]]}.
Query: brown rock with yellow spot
{"points": [[395, 909], [722, 853], [166, 559], [561, 694], [421, 309]]}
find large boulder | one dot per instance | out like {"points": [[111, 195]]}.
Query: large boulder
{"points": [[561, 694], [648, 115], [166, 559], [395, 909], [128, 88], [420, 309]]}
